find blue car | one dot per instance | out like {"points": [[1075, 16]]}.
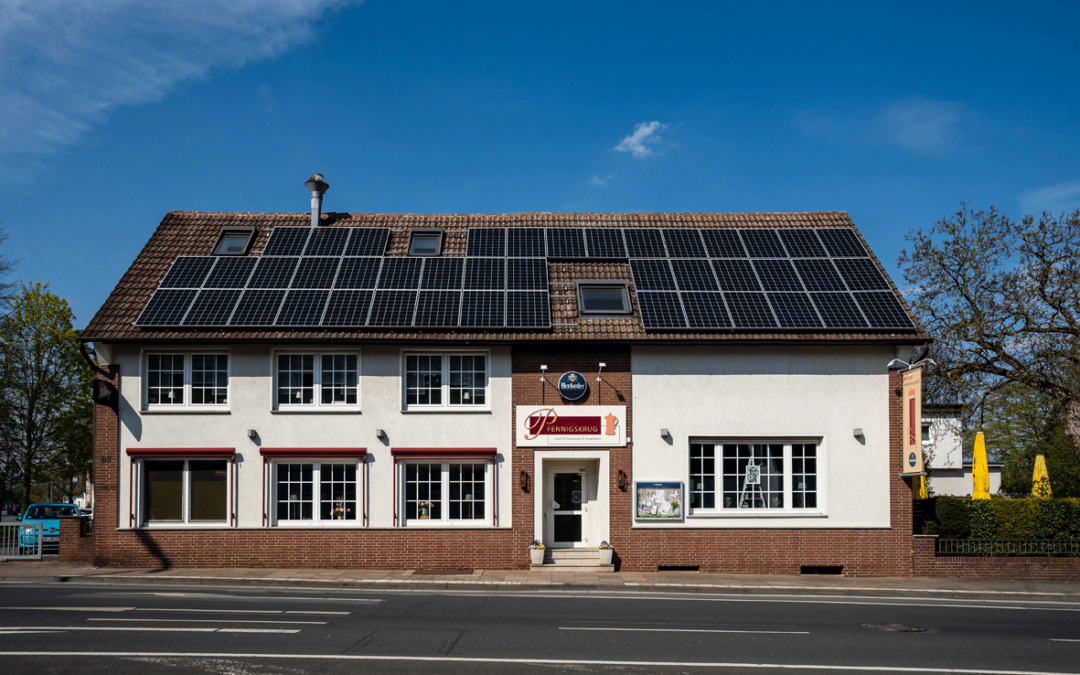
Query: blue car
{"points": [[49, 516]]}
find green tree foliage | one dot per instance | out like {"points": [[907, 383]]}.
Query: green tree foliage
{"points": [[1002, 300], [45, 398]]}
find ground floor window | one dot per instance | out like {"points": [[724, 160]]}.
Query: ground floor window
{"points": [[753, 475], [446, 492], [185, 491], [316, 492]]}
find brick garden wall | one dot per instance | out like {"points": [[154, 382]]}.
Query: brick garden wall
{"points": [[926, 563]]}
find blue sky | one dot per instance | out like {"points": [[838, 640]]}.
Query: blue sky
{"points": [[113, 112]]}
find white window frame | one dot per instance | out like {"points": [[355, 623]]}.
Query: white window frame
{"points": [[316, 405], [186, 405], [719, 510], [142, 483], [444, 476], [419, 234], [445, 389], [316, 485], [619, 286], [248, 233]]}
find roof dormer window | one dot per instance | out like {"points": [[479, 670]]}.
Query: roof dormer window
{"points": [[601, 296], [234, 241], [425, 242]]}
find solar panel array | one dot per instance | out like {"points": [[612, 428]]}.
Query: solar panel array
{"points": [[685, 279]]}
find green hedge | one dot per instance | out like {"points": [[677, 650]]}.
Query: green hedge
{"points": [[1001, 518]]}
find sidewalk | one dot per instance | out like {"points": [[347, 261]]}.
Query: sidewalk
{"points": [[48, 571]]}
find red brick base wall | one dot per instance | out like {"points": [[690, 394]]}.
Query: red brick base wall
{"points": [[926, 563], [75, 547]]}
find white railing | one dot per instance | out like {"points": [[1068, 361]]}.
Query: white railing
{"points": [[20, 541]]}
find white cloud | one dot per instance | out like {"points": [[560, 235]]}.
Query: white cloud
{"points": [[1056, 199], [922, 126], [68, 63], [637, 143], [597, 180]]}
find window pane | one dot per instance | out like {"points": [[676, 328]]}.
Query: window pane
{"points": [[423, 380], [296, 379], [804, 475], [209, 379], [165, 491], [702, 485], [338, 492], [294, 491], [423, 492], [209, 490], [595, 298], [468, 380], [339, 379], [165, 379], [466, 498]]}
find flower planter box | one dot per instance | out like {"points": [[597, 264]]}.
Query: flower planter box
{"points": [[605, 555], [537, 555]]}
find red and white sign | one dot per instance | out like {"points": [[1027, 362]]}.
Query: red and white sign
{"points": [[570, 425]]}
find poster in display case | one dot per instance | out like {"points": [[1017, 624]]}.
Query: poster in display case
{"points": [[659, 501]]}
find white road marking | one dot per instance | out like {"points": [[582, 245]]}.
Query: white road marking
{"points": [[1062, 640], [692, 630], [77, 609], [554, 662], [57, 629], [313, 623], [236, 611], [259, 598]]}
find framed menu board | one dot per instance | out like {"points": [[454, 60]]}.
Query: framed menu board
{"points": [[659, 501]]}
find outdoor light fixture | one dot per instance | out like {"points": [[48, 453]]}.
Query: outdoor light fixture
{"points": [[380, 434], [897, 363], [602, 366], [251, 433], [523, 481], [857, 433], [543, 369], [664, 433], [622, 480]]}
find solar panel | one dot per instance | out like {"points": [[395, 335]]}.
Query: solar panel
{"points": [[838, 310], [442, 273], [819, 275], [736, 275], [273, 273], [392, 308], [528, 309], [287, 241], [327, 241], [525, 242], [762, 243], [861, 274], [652, 275], [883, 310], [438, 308], [483, 309], [257, 308], [166, 307], [367, 241], [302, 308], [400, 273], [315, 273], [604, 243], [188, 272], [486, 242], [801, 244], [358, 273], [485, 273], [660, 310], [694, 275], [212, 308], [749, 310], [723, 244], [794, 310], [705, 310], [347, 308], [230, 273], [565, 242], [777, 275], [684, 243], [527, 274], [842, 243], [644, 243]]}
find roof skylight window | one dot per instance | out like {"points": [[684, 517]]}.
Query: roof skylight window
{"points": [[234, 241], [425, 242], [603, 297]]}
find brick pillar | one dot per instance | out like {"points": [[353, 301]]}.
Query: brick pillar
{"points": [[106, 469], [901, 495]]}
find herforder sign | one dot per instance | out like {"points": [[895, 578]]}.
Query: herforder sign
{"points": [[565, 425]]}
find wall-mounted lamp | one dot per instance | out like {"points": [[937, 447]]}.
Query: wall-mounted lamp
{"points": [[602, 366], [380, 434], [523, 481], [543, 370], [857, 433], [251, 433], [664, 433], [897, 363], [622, 480]]}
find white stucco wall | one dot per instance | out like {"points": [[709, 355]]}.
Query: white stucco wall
{"points": [[944, 449], [250, 407], [770, 392]]}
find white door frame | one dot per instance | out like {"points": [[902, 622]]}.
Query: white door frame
{"points": [[549, 506]]}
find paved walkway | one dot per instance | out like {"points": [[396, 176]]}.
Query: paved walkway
{"points": [[565, 582]]}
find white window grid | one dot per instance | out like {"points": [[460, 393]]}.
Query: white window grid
{"points": [[316, 380], [188, 467], [789, 475], [445, 381], [180, 380], [316, 493], [447, 493]]}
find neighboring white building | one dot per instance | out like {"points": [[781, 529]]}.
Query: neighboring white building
{"points": [[943, 449]]}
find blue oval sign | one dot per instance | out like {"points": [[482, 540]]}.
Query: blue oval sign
{"points": [[911, 460], [572, 385]]}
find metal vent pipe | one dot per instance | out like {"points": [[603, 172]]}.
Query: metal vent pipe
{"points": [[317, 185]]}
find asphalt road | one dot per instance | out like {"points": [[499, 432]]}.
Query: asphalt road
{"points": [[66, 628]]}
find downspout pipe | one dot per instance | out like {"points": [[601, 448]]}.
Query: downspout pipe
{"points": [[317, 186]]}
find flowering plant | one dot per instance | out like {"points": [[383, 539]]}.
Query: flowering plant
{"points": [[340, 510], [605, 546], [536, 544]]}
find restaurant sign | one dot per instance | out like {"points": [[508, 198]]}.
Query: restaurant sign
{"points": [[571, 425]]}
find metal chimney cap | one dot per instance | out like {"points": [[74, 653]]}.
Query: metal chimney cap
{"points": [[317, 184]]}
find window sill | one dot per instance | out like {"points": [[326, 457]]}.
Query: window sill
{"points": [[479, 410], [306, 524], [446, 525], [325, 410], [183, 526], [190, 410], [760, 513]]}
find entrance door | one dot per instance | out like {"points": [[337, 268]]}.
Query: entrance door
{"points": [[568, 508]]}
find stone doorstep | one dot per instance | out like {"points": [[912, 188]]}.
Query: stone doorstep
{"points": [[572, 560], [565, 567]]}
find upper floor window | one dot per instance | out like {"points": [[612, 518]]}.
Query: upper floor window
{"points": [[446, 380], [316, 380], [180, 380], [603, 297]]}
